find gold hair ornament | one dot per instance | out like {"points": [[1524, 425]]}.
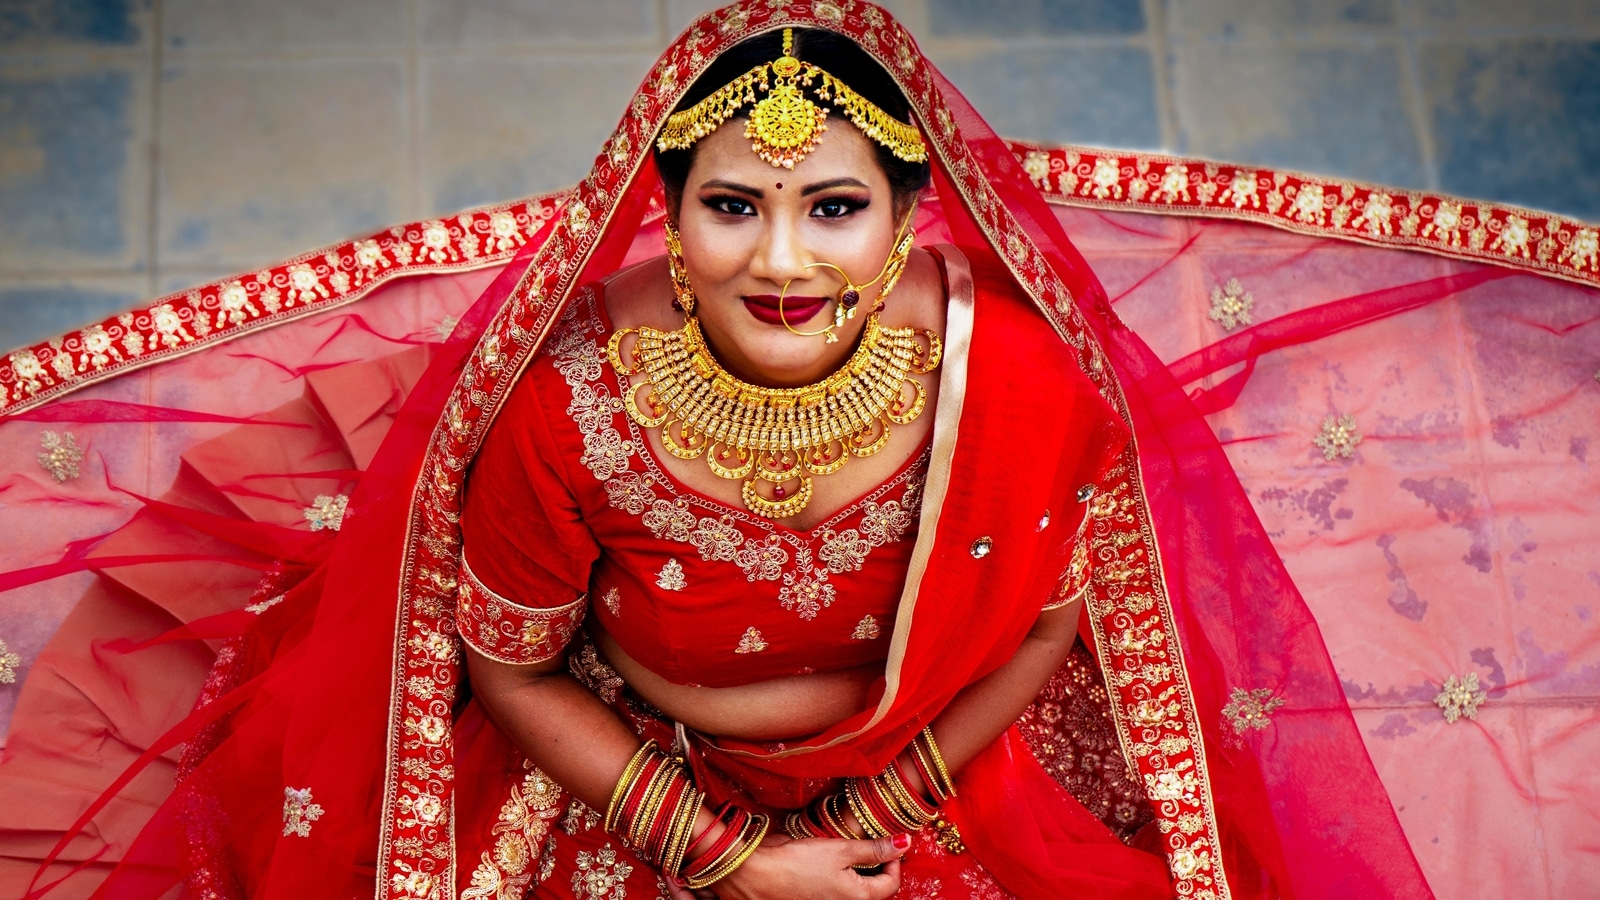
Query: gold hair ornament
{"points": [[849, 296], [785, 124]]}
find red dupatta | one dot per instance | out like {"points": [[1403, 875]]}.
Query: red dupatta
{"points": [[1188, 603]]}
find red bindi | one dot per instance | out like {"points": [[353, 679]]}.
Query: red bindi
{"points": [[780, 185]]}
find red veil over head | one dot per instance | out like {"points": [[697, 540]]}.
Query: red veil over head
{"points": [[322, 756]]}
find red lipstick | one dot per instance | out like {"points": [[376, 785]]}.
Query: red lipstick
{"points": [[797, 310]]}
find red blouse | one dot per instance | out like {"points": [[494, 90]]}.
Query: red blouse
{"points": [[565, 501]]}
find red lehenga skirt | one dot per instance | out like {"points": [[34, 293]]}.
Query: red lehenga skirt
{"points": [[1417, 431], [535, 837]]}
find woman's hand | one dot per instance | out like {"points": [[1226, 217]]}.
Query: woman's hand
{"points": [[813, 869]]}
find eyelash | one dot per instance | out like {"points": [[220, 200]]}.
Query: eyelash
{"points": [[850, 204]]}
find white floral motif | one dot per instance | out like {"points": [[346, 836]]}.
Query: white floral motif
{"points": [[327, 511], [1513, 237], [1174, 184], [9, 662], [169, 325], [236, 303], [1583, 249], [1376, 214], [1310, 204], [717, 539], [1231, 305], [1446, 224], [60, 456], [1241, 189], [299, 812], [503, 231], [601, 875], [671, 577], [1103, 180], [807, 590]]}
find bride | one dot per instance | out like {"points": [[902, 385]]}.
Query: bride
{"points": [[737, 542]]}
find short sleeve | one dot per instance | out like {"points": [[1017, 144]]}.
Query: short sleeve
{"points": [[527, 552]]}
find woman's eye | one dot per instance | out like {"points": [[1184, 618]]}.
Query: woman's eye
{"points": [[733, 206], [834, 207]]}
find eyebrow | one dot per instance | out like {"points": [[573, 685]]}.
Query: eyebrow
{"points": [[810, 189], [718, 184]]}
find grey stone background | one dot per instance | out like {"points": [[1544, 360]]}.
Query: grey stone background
{"points": [[148, 145]]}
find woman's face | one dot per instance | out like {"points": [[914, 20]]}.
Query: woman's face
{"points": [[748, 228]]}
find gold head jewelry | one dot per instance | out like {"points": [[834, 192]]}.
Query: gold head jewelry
{"points": [[773, 439], [682, 291], [849, 297], [785, 124]]}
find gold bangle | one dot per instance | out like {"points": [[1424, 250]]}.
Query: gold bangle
{"points": [[895, 796], [948, 785], [629, 772], [755, 832], [649, 807], [795, 825], [864, 815], [681, 832]]}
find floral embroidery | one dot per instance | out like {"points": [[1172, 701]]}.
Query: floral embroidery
{"points": [[806, 591], [1460, 697], [1070, 731], [596, 675], [1250, 710], [327, 511], [1231, 305], [299, 812], [671, 577], [522, 827], [576, 354], [751, 642], [8, 664], [1338, 438], [866, 629], [613, 601], [61, 455], [601, 875], [510, 632]]}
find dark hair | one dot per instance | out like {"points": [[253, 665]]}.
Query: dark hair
{"points": [[842, 59]]}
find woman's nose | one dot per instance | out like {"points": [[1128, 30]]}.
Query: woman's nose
{"points": [[781, 256]]}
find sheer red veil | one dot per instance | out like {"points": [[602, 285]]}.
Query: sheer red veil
{"points": [[343, 678]]}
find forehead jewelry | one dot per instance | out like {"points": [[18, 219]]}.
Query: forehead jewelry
{"points": [[785, 124], [849, 297]]}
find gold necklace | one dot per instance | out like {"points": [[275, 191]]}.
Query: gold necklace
{"points": [[774, 439]]}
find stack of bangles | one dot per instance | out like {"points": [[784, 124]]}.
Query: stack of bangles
{"points": [[654, 808], [883, 804]]}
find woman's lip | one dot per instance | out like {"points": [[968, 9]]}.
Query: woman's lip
{"points": [[796, 310]]}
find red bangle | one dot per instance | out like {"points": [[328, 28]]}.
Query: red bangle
{"points": [[736, 823]]}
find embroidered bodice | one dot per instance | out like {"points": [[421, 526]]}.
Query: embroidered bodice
{"points": [[698, 591]]}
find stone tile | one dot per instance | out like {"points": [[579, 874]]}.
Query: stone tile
{"points": [[1231, 18], [1093, 95], [1500, 15], [1327, 110], [262, 160], [74, 169], [496, 129], [38, 310], [276, 25], [1032, 18], [1517, 121], [470, 22], [37, 24]]}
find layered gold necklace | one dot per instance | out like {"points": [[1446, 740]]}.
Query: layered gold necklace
{"points": [[773, 439]]}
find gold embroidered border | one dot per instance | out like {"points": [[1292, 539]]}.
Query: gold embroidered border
{"points": [[509, 632], [1527, 240], [196, 319]]}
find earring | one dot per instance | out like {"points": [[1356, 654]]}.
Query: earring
{"points": [[893, 269], [683, 292]]}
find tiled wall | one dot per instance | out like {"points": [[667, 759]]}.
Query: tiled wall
{"points": [[146, 145]]}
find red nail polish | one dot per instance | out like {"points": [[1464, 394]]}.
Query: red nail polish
{"points": [[902, 842]]}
